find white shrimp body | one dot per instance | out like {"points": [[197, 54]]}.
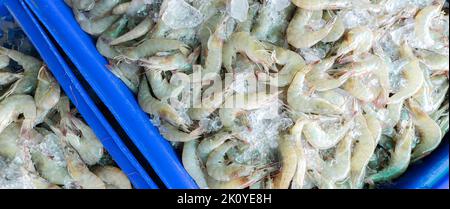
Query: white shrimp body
{"points": [[15, 105], [192, 163]]}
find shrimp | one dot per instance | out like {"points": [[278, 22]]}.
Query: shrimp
{"points": [[209, 144], [338, 169], [429, 131], [374, 126], [83, 140], [300, 101], [299, 176], [298, 34], [423, 22], [140, 30], [209, 104], [8, 141], [171, 133], [78, 171], [218, 169], [83, 5], [191, 162], [289, 163], [400, 157], [50, 167], [102, 8], [241, 182], [213, 61], [362, 89], [358, 40], [414, 78], [31, 66], [155, 107], [322, 140], [175, 61], [364, 148], [321, 80], [8, 77], [243, 42], [152, 46], [128, 73], [94, 27], [113, 177], [15, 105], [162, 89], [337, 31], [292, 63], [47, 94], [121, 8], [435, 61]]}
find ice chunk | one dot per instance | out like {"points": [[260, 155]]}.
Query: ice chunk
{"points": [[178, 14], [238, 9], [279, 5]]}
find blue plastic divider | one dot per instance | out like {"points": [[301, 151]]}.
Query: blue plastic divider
{"points": [[79, 47], [431, 172], [78, 95]]}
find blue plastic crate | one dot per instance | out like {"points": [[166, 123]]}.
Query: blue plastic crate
{"points": [[59, 20], [17, 10]]}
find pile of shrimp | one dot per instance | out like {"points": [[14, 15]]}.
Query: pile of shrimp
{"points": [[43, 144], [358, 88]]}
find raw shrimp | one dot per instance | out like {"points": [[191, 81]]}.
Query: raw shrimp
{"points": [[175, 61], [299, 100], [321, 80], [400, 157], [84, 141], [129, 73], [47, 94], [113, 177], [362, 89], [243, 42], [358, 40], [157, 108], [218, 169], [414, 80], [48, 167], [9, 138], [429, 131], [423, 22], [241, 182], [111, 33], [152, 46], [209, 144], [78, 171], [338, 29], [338, 169], [298, 34], [292, 63], [322, 140], [15, 105], [246, 26], [289, 163], [434, 61], [172, 134], [94, 26], [140, 30], [8, 77], [102, 8], [31, 66], [192, 163], [162, 89], [363, 150], [300, 171]]}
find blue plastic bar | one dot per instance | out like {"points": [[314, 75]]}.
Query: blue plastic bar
{"points": [[79, 97], [58, 19]]}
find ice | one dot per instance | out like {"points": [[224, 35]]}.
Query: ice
{"points": [[178, 14], [14, 176], [279, 5], [238, 9]]}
